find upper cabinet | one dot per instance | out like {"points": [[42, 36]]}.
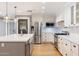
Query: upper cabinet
{"points": [[69, 16], [75, 14], [72, 15]]}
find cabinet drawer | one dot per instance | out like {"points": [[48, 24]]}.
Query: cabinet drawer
{"points": [[74, 49]]}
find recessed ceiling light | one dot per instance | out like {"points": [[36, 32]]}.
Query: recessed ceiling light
{"points": [[43, 7], [43, 11], [43, 1]]}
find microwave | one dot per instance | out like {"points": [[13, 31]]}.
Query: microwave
{"points": [[49, 24]]}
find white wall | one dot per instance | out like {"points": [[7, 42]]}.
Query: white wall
{"points": [[42, 18]]}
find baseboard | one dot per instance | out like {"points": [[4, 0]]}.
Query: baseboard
{"points": [[47, 42]]}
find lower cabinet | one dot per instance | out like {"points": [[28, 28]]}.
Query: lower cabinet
{"points": [[67, 48], [15, 49], [12, 49], [60, 45], [74, 49], [47, 37]]}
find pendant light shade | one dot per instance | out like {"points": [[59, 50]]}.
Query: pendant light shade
{"points": [[15, 11], [6, 17]]}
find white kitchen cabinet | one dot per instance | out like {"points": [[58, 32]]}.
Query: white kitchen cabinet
{"points": [[47, 37], [64, 46], [60, 45], [67, 48], [43, 37], [75, 14], [74, 50], [70, 15]]}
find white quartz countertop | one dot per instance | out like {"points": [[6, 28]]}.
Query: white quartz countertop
{"points": [[16, 38], [72, 38]]}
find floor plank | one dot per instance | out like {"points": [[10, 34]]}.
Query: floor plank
{"points": [[45, 50]]}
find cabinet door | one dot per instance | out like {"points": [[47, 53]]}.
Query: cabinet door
{"points": [[47, 37], [74, 49], [63, 47], [60, 45], [43, 37], [77, 13], [51, 37], [66, 50], [12, 49]]}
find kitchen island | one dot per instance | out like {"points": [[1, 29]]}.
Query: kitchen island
{"points": [[16, 45]]}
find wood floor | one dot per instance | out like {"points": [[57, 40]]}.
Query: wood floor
{"points": [[45, 50]]}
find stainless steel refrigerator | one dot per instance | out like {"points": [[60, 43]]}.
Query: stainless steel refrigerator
{"points": [[37, 30]]}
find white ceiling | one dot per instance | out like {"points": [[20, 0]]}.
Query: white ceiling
{"points": [[51, 8]]}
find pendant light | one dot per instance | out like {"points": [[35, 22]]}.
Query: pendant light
{"points": [[6, 17], [43, 10], [15, 11]]}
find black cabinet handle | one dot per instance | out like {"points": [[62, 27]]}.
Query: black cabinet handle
{"points": [[71, 49], [74, 46], [66, 54], [66, 44]]}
